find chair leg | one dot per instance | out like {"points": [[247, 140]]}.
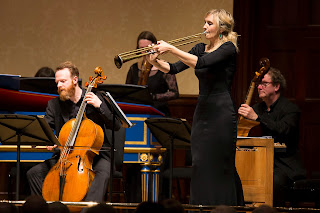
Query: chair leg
{"points": [[179, 189], [11, 178], [124, 189], [118, 190]]}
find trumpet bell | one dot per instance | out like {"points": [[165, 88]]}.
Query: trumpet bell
{"points": [[118, 61]]}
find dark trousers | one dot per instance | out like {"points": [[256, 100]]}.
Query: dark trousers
{"points": [[98, 188], [281, 182]]}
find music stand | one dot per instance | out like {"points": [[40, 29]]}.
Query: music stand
{"points": [[128, 93], [170, 133], [117, 112], [25, 130]]}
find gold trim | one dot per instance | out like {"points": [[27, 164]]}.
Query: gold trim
{"points": [[137, 118], [144, 142], [156, 143], [143, 157], [144, 150], [131, 162], [23, 148]]}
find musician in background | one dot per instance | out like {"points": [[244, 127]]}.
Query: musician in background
{"points": [[278, 118], [44, 72], [163, 87], [65, 107]]}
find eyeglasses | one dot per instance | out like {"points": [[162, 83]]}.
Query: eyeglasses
{"points": [[264, 84]]}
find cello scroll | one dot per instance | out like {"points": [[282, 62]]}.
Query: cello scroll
{"points": [[98, 79]]}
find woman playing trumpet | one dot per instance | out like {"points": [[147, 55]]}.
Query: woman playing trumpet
{"points": [[163, 87], [214, 180]]}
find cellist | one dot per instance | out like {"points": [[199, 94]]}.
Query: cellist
{"points": [[65, 107]]}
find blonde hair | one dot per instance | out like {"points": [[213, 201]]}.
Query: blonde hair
{"points": [[226, 23]]}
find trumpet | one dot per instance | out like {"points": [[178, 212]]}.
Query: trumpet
{"points": [[138, 53]]}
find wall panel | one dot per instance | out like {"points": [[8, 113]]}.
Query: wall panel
{"points": [[90, 33]]}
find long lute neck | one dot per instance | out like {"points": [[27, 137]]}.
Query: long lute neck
{"points": [[249, 96], [250, 93]]}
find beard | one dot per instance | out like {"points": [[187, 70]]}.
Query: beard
{"points": [[67, 93]]}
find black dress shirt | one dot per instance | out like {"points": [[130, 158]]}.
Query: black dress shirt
{"points": [[282, 123]]}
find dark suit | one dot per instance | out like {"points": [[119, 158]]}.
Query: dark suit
{"points": [[282, 123], [57, 114]]}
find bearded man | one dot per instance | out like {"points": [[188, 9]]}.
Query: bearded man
{"points": [[65, 107]]}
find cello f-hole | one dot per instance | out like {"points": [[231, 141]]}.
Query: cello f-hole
{"points": [[80, 166]]}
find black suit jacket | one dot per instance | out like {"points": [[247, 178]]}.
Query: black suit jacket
{"points": [[59, 112], [282, 123]]}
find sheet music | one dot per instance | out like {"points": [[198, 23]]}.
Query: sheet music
{"points": [[119, 113]]}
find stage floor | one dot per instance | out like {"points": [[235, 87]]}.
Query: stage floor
{"points": [[122, 207]]}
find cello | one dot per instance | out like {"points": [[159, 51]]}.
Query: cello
{"points": [[245, 125], [70, 178]]}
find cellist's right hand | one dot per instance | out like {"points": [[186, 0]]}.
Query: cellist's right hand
{"points": [[50, 148]]}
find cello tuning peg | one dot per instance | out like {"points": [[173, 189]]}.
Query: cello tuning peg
{"points": [[90, 78], [104, 77], [86, 84]]}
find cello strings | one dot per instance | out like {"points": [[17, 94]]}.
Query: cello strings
{"points": [[76, 124]]}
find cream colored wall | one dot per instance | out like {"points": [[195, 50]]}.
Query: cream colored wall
{"points": [[38, 33]]}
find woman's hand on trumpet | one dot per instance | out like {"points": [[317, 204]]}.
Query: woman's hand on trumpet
{"points": [[155, 61], [160, 48], [163, 47], [152, 58]]}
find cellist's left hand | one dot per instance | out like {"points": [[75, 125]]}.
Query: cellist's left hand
{"points": [[92, 99]]}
